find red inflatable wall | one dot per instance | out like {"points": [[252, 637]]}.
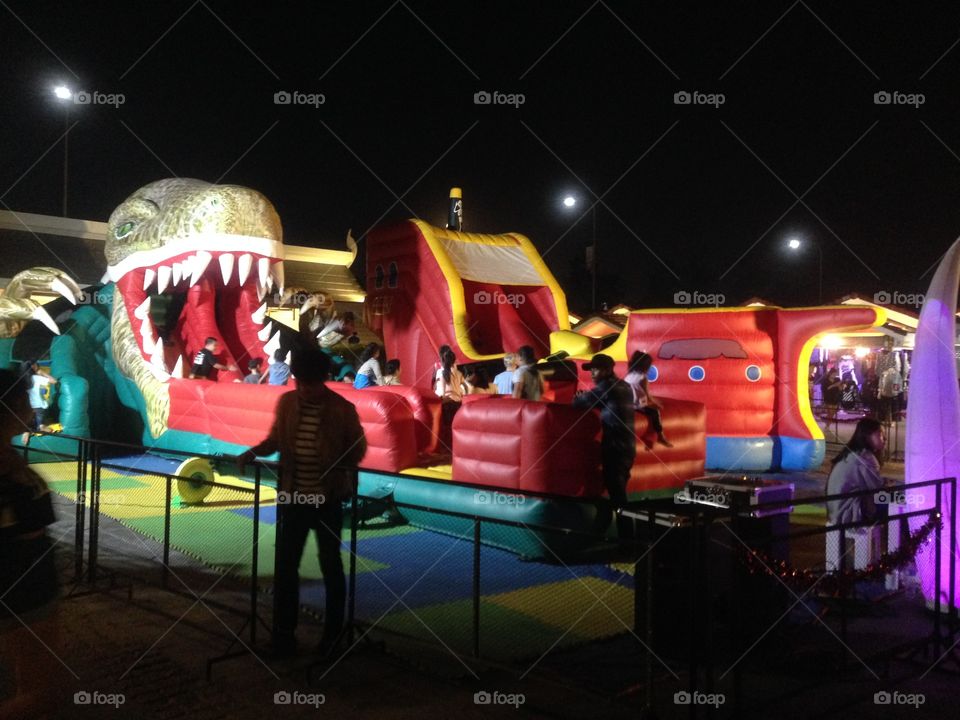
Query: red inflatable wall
{"points": [[530, 446], [209, 408], [658, 467]]}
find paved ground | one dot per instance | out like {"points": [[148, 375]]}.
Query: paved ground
{"points": [[153, 651]]}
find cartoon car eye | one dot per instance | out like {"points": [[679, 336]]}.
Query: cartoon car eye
{"points": [[753, 373], [697, 373], [653, 373]]}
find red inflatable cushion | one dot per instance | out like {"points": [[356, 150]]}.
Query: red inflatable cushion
{"points": [[527, 446]]}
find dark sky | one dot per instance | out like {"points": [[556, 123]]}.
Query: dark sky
{"points": [[701, 196]]}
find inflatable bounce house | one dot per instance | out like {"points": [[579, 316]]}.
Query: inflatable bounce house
{"points": [[187, 260]]}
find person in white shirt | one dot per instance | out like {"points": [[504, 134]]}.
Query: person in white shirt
{"points": [[38, 402], [527, 381], [504, 380], [643, 401], [857, 467], [369, 374], [449, 383]]}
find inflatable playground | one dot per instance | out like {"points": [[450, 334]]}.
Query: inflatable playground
{"points": [[186, 260]]}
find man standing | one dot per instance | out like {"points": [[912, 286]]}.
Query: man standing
{"points": [[618, 446], [504, 381], [320, 439], [206, 360]]}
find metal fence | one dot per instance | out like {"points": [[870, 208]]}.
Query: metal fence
{"points": [[695, 593]]}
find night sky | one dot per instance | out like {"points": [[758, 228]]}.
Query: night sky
{"points": [[694, 197]]}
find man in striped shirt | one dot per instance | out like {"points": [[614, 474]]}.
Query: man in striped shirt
{"points": [[321, 441]]}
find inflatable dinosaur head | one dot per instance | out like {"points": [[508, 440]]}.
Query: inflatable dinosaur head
{"points": [[190, 260]]}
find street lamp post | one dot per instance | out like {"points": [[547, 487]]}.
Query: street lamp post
{"points": [[65, 96], [796, 244], [570, 202]]}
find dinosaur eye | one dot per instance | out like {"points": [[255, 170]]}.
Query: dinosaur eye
{"points": [[124, 230]]}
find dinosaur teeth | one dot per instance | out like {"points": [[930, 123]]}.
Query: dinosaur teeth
{"points": [[271, 347], [142, 311], [201, 261], [263, 268], [178, 368], [276, 272], [177, 273], [244, 264], [148, 277], [226, 267], [146, 332], [264, 333], [157, 358], [43, 316], [164, 273], [261, 292], [259, 315]]}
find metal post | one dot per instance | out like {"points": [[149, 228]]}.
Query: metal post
{"points": [[938, 533], [953, 555], [596, 257], [66, 152], [94, 515], [352, 601], [255, 557], [843, 590], [651, 531], [476, 586], [81, 508], [166, 530]]}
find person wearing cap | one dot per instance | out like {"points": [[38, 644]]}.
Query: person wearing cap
{"points": [[618, 445]]}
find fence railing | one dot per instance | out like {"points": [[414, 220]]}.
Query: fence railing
{"points": [[653, 520]]}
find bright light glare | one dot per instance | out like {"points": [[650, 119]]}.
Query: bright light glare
{"points": [[861, 352], [569, 201], [831, 342], [62, 92], [793, 244]]}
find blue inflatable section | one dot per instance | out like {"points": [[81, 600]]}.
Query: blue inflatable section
{"points": [[801, 454], [579, 523], [751, 454]]}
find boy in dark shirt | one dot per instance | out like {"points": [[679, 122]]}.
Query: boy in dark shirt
{"points": [[206, 360], [618, 444]]}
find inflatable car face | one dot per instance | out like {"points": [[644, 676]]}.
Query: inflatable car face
{"points": [[749, 367]]}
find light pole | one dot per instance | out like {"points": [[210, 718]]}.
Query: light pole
{"points": [[65, 96], [570, 202], [795, 245]]}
